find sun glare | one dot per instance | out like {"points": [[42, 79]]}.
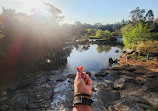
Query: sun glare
{"points": [[33, 4]]}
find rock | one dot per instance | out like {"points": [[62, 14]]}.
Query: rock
{"points": [[93, 89], [89, 73], [61, 79], [4, 108], [72, 76], [3, 93], [124, 55], [151, 85], [119, 84], [135, 54], [110, 60], [102, 86], [108, 97], [141, 79], [117, 51], [98, 106], [71, 81], [3, 99], [115, 60], [100, 74], [118, 108], [48, 95], [131, 52], [124, 72], [151, 98], [140, 71], [136, 103]]}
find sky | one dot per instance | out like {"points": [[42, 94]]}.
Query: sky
{"points": [[87, 11]]}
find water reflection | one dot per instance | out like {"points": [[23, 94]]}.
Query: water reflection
{"points": [[92, 57]]}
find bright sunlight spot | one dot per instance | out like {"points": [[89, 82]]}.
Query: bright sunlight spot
{"points": [[34, 4]]}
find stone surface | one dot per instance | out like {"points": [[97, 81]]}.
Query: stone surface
{"points": [[119, 84], [72, 76], [101, 74], [61, 79]]}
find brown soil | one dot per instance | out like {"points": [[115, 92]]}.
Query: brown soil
{"points": [[151, 65]]}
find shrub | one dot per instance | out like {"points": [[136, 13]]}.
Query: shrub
{"points": [[148, 47]]}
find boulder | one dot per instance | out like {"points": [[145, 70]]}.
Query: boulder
{"points": [[117, 51], [110, 60], [119, 84]]}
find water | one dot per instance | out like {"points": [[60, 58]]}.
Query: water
{"points": [[92, 57]]}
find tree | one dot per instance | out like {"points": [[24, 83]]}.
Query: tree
{"points": [[132, 35], [99, 33], [103, 34], [148, 47], [107, 34], [90, 31], [137, 15], [149, 16]]}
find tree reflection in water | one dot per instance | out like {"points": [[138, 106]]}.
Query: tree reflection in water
{"points": [[107, 47]]}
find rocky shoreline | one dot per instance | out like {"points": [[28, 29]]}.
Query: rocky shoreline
{"points": [[125, 88]]}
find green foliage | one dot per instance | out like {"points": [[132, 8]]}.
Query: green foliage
{"points": [[90, 31], [154, 36], [103, 34], [148, 47], [132, 35]]}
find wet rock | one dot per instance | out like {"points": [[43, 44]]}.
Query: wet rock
{"points": [[61, 79], [117, 51], [93, 89], [89, 73], [110, 60], [71, 81], [119, 84], [48, 95], [72, 76]]}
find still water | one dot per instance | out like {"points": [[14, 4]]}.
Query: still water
{"points": [[92, 57]]}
